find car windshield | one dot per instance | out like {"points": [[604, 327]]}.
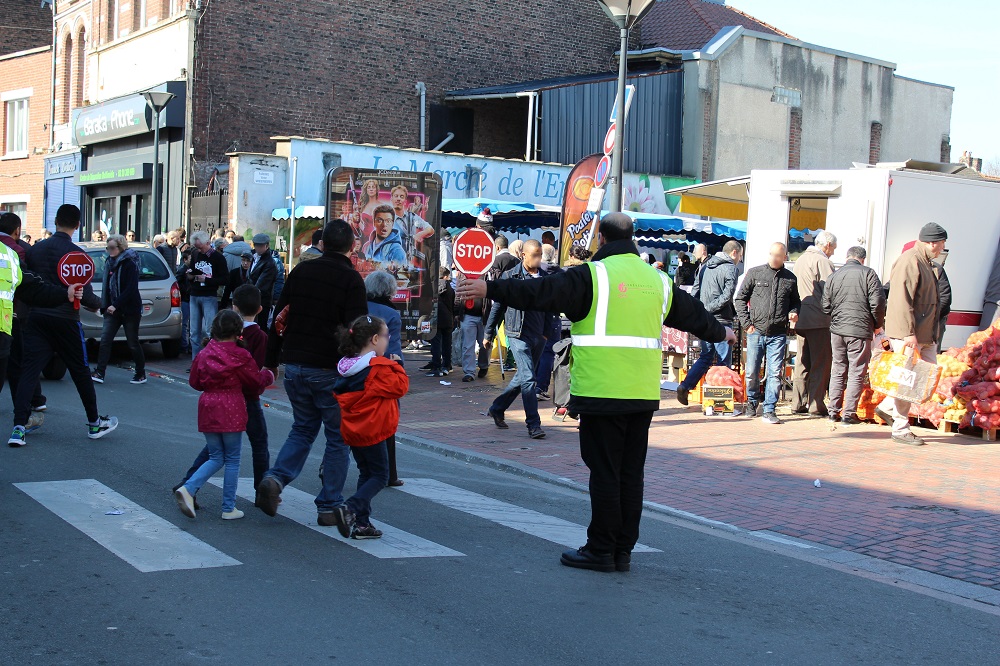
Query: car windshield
{"points": [[152, 266]]}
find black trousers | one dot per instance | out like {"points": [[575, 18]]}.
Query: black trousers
{"points": [[13, 372], [43, 337], [614, 449]]}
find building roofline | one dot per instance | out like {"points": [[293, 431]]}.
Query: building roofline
{"points": [[26, 52], [926, 83], [820, 49]]}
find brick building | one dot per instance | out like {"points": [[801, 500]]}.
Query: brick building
{"points": [[25, 101], [24, 25]]}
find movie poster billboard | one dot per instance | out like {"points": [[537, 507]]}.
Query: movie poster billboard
{"points": [[579, 225], [396, 217]]}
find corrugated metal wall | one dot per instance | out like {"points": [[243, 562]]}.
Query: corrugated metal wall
{"points": [[575, 120]]}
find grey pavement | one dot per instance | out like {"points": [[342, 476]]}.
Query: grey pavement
{"points": [[300, 596]]}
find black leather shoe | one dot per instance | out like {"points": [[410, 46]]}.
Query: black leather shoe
{"points": [[623, 561], [850, 420], [585, 559], [536, 433], [482, 372], [498, 420], [269, 496], [682, 395]]}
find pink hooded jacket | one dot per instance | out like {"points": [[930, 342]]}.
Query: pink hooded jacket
{"points": [[222, 371]]}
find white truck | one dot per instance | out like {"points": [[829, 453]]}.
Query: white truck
{"points": [[882, 208]]}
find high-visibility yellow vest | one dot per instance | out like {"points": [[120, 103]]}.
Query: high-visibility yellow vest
{"points": [[10, 277], [617, 347]]}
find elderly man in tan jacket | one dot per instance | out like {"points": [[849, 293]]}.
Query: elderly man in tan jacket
{"points": [[911, 319], [814, 356]]}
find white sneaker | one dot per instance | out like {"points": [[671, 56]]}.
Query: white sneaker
{"points": [[105, 424], [235, 514], [185, 502]]}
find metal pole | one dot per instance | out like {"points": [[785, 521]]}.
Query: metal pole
{"points": [[291, 217], [156, 175], [618, 155]]}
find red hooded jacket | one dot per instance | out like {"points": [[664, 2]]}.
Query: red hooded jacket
{"points": [[222, 371], [368, 391]]}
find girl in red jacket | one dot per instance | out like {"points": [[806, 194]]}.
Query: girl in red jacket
{"points": [[368, 391], [222, 370]]}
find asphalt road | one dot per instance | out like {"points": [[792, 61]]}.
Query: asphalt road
{"points": [[300, 596]]}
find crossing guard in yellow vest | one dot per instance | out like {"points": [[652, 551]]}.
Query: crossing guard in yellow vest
{"points": [[618, 305]]}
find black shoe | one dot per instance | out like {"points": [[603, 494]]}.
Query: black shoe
{"points": [[435, 373], [269, 496], [585, 559], [543, 396], [345, 520], [536, 433], [97, 377], [623, 561], [833, 417], [326, 519], [682, 395], [850, 420], [138, 378], [754, 411], [482, 372], [426, 367], [468, 378], [498, 420]]}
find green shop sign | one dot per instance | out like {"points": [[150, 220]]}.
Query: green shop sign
{"points": [[115, 175]]}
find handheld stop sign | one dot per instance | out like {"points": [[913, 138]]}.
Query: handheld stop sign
{"points": [[473, 251], [76, 269]]}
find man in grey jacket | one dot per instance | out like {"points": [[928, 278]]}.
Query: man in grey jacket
{"points": [[714, 286], [854, 300], [812, 361]]}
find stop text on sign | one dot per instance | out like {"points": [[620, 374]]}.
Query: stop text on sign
{"points": [[76, 271], [473, 252]]}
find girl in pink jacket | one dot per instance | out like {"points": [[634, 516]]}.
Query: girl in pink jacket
{"points": [[221, 371]]}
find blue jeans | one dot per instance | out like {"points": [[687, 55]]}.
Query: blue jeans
{"points": [[526, 354], [203, 311], [257, 434], [223, 449], [773, 348], [712, 353], [310, 390], [373, 475], [185, 325]]}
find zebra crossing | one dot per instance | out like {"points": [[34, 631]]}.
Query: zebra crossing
{"points": [[150, 543]]}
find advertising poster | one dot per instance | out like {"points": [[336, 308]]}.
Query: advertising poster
{"points": [[577, 221], [396, 217]]}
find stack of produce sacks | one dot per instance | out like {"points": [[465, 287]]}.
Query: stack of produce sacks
{"points": [[945, 405], [977, 390], [719, 375]]}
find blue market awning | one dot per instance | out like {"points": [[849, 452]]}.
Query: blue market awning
{"points": [[507, 215], [301, 212], [647, 224]]}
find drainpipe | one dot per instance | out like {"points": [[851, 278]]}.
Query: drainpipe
{"points": [[52, 89], [451, 135], [188, 143], [422, 91], [529, 143]]}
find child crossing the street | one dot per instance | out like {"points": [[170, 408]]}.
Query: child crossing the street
{"points": [[368, 391], [223, 371]]}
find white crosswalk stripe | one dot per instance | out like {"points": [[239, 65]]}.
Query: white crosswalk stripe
{"points": [[524, 520], [136, 535], [298, 506]]}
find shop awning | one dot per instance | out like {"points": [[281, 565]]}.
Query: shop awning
{"points": [[647, 224], [728, 198], [521, 217], [301, 212]]}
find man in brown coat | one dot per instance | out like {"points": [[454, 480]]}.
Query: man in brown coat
{"points": [[814, 356], [911, 319]]}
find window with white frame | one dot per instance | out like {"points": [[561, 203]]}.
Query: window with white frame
{"points": [[16, 118]]}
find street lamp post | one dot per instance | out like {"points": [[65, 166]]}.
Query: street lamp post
{"points": [[625, 14], [157, 101]]}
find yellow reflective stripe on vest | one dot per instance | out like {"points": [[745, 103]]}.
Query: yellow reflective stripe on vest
{"points": [[600, 338]]}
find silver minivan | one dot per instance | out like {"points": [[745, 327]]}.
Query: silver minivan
{"points": [[161, 299]]}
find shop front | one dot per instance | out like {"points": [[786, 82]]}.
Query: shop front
{"points": [[117, 175], [60, 185]]}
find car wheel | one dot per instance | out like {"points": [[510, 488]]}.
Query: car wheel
{"points": [[55, 369], [171, 348]]}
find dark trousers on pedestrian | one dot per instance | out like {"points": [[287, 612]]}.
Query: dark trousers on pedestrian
{"points": [[373, 475], [43, 337], [614, 450], [526, 354], [811, 377], [847, 374], [13, 372], [441, 350], [390, 449], [113, 322], [257, 434], [547, 361]]}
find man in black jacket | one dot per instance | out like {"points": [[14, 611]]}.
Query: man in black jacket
{"points": [[767, 301], [323, 296], [714, 287], [208, 273], [614, 432], [237, 278], [263, 274], [526, 330], [855, 302], [57, 330]]}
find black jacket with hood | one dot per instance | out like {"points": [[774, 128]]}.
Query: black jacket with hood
{"points": [[715, 287]]}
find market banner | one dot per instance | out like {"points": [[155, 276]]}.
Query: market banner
{"points": [[396, 217], [579, 225]]}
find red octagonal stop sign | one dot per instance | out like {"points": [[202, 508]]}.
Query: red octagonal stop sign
{"points": [[76, 268], [473, 249]]}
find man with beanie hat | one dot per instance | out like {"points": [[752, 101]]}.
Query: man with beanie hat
{"points": [[911, 319]]}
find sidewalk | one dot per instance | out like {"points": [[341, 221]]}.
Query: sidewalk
{"points": [[935, 508]]}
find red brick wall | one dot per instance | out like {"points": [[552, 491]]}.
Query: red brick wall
{"points": [[25, 176], [346, 70], [24, 25]]}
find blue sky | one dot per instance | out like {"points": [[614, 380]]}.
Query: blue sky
{"points": [[952, 43]]}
